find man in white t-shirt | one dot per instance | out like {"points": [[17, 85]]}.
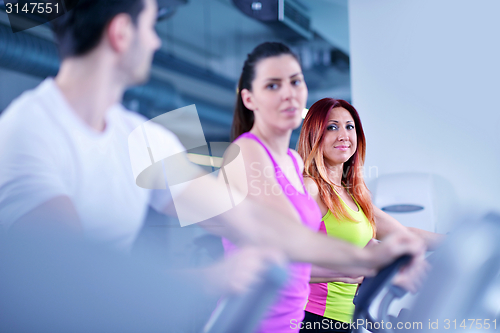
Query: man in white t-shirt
{"points": [[57, 159], [64, 145], [65, 163], [68, 153]]}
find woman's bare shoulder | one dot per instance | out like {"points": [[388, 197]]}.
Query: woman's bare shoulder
{"points": [[250, 146], [313, 190], [253, 153]]}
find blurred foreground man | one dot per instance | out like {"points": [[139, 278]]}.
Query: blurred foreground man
{"points": [[65, 158], [65, 162]]}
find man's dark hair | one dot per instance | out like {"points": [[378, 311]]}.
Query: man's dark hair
{"points": [[80, 29]]}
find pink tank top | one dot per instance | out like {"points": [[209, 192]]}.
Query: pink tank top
{"points": [[286, 314]]}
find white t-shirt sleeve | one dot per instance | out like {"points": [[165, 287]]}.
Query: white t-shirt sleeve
{"points": [[29, 175]]}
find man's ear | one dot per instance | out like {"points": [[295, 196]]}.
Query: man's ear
{"points": [[247, 98], [120, 32]]}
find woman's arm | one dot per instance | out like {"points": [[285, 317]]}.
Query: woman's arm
{"points": [[323, 275], [344, 280], [431, 239], [387, 224], [265, 219]]}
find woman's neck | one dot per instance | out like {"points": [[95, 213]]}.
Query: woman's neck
{"points": [[91, 87], [335, 173], [277, 141]]}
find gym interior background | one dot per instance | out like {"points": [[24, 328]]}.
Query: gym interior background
{"points": [[423, 75]]}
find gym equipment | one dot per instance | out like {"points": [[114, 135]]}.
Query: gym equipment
{"points": [[60, 283], [242, 314], [421, 200], [371, 287], [462, 291]]}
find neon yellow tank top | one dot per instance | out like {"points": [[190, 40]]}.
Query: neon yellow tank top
{"points": [[334, 299]]}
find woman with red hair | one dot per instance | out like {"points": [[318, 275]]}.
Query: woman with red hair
{"points": [[271, 96], [332, 144]]}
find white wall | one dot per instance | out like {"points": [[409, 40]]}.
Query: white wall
{"points": [[425, 78]]}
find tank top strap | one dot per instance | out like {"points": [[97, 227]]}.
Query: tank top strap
{"points": [[353, 199]]}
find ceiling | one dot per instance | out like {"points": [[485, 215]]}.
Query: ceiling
{"points": [[216, 36], [211, 39]]}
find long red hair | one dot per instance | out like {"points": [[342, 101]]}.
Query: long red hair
{"points": [[310, 148]]}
